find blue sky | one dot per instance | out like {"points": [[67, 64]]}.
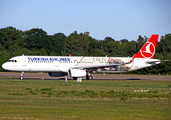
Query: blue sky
{"points": [[119, 19]]}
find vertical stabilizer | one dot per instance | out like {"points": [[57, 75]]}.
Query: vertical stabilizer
{"points": [[148, 50]]}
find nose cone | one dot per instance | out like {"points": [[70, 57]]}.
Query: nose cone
{"points": [[5, 66]]}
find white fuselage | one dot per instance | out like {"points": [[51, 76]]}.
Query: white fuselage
{"points": [[64, 63]]}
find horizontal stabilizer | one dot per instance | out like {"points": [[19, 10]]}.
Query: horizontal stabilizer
{"points": [[153, 61]]}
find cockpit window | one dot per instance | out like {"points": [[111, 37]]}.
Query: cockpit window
{"points": [[12, 60]]}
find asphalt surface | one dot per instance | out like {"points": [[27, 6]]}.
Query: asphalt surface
{"points": [[45, 76]]}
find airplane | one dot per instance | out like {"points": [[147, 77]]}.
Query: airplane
{"points": [[80, 66]]}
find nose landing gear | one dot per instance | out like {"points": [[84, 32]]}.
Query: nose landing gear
{"points": [[21, 75]]}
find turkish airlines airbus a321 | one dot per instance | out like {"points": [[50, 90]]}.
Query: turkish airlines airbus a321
{"points": [[78, 67]]}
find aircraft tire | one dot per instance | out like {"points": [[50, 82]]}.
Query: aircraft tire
{"points": [[89, 77]]}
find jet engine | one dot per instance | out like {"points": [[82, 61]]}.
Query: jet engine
{"points": [[76, 73], [57, 74]]}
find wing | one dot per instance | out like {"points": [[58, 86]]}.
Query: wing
{"points": [[96, 66]]}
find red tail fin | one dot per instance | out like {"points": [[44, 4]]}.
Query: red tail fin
{"points": [[148, 50]]}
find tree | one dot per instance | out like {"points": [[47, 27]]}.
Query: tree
{"points": [[76, 43], [11, 38], [58, 41], [4, 55], [98, 52], [140, 42], [38, 39], [124, 41]]}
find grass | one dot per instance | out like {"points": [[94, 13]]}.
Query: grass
{"points": [[56, 99]]}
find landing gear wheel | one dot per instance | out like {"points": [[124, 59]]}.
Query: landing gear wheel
{"points": [[89, 77], [21, 75]]}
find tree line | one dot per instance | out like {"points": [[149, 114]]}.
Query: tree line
{"points": [[15, 42]]}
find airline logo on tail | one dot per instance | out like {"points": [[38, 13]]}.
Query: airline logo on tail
{"points": [[148, 50]]}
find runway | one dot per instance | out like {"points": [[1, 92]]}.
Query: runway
{"points": [[45, 76]]}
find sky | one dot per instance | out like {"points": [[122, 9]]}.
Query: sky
{"points": [[119, 19]]}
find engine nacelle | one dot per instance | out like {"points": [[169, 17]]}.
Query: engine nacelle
{"points": [[57, 74], [76, 73]]}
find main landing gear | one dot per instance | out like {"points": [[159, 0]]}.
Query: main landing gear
{"points": [[89, 77]]}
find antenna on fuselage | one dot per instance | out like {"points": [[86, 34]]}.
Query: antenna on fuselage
{"points": [[23, 55]]}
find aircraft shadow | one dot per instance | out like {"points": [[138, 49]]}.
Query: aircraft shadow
{"points": [[123, 79], [82, 79]]}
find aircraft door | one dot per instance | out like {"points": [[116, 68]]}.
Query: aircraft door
{"points": [[24, 64]]}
